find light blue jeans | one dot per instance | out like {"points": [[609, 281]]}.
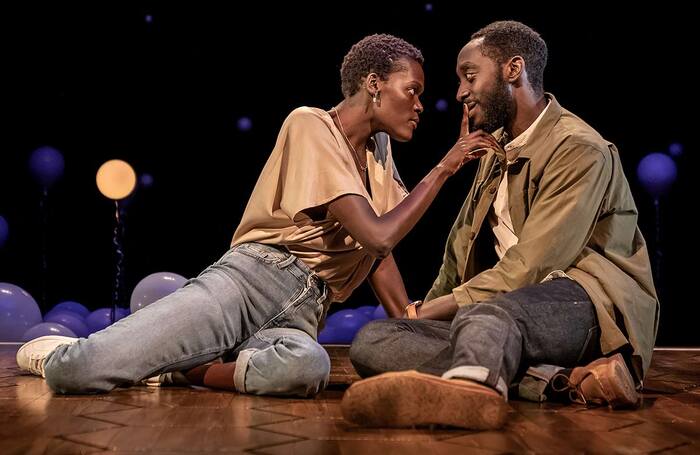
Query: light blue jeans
{"points": [[258, 305]]}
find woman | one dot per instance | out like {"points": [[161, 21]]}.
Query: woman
{"points": [[328, 203]]}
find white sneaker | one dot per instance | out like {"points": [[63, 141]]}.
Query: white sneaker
{"points": [[174, 378], [32, 354]]}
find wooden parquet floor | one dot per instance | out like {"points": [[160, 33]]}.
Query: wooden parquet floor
{"points": [[140, 420]]}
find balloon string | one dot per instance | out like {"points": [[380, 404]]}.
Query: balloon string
{"points": [[120, 257], [44, 208], [657, 244]]}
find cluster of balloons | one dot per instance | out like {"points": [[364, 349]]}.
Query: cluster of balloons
{"points": [[21, 320], [342, 326]]}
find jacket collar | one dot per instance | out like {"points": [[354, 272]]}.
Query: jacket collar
{"points": [[539, 134]]}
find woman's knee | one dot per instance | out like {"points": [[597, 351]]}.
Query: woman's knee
{"points": [[313, 368], [295, 366]]}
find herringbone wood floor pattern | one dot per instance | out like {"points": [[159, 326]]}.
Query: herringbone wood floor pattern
{"points": [[181, 420]]}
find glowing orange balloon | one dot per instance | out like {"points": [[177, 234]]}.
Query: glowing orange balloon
{"points": [[116, 179]]}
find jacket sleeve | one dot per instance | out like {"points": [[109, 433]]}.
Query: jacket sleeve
{"points": [[561, 220], [448, 276]]}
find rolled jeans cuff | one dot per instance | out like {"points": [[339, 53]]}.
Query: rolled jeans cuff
{"points": [[242, 368], [532, 386]]}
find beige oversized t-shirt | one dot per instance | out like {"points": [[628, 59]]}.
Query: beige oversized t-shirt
{"points": [[310, 166]]}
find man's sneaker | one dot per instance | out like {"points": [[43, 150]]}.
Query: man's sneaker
{"points": [[32, 354], [410, 398], [603, 381]]}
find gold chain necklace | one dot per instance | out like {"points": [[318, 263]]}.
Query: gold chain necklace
{"points": [[355, 154]]}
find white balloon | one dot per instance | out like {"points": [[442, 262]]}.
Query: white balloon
{"points": [[154, 287]]}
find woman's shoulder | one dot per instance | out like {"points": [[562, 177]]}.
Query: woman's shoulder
{"points": [[307, 114], [309, 125]]}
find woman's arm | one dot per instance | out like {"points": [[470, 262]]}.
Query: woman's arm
{"points": [[388, 286], [380, 234]]}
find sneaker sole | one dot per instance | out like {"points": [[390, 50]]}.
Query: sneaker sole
{"points": [[407, 399]]}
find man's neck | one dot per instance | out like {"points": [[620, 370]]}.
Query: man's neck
{"points": [[528, 108]]}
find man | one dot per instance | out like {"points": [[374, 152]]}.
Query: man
{"points": [[544, 265]]}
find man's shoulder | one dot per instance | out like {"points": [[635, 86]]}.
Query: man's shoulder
{"points": [[572, 131]]}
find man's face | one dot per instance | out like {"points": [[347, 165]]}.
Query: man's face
{"points": [[483, 88]]}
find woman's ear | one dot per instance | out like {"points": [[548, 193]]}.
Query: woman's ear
{"points": [[372, 83]]}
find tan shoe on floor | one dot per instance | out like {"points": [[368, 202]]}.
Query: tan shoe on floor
{"points": [[410, 398], [604, 381]]}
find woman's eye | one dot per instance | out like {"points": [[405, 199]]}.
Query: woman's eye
{"points": [[412, 91]]}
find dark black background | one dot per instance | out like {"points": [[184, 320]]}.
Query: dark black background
{"points": [[100, 82]]}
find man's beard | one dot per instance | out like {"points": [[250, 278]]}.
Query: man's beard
{"points": [[497, 105]]}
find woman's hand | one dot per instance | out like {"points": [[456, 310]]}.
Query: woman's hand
{"points": [[468, 147]]}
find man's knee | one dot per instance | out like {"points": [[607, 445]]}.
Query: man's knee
{"points": [[369, 344], [367, 338], [493, 314]]}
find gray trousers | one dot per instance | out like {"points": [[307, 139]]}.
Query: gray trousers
{"points": [[538, 329]]}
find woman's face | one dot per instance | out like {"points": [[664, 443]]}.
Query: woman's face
{"points": [[398, 104]]}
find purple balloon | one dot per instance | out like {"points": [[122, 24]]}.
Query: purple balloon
{"points": [[338, 315], [47, 328], [367, 310], [71, 320], [54, 311], [675, 149], [345, 324], [441, 105], [244, 124], [154, 287], [328, 335], [380, 313], [75, 307], [46, 164], [146, 180], [122, 313], [657, 172], [4, 231], [18, 312], [99, 319]]}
